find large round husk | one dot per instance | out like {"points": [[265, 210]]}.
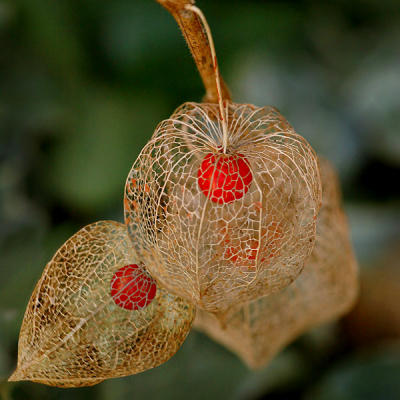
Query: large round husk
{"points": [[186, 239], [326, 289], [73, 334]]}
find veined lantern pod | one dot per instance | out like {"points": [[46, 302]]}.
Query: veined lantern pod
{"points": [[97, 314], [326, 289], [223, 199]]}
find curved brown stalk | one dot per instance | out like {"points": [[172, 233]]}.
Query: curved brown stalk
{"points": [[196, 38]]}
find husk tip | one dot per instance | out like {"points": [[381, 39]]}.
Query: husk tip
{"points": [[16, 376]]}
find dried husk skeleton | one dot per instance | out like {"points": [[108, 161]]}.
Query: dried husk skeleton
{"points": [[199, 249], [73, 334], [221, 256]]}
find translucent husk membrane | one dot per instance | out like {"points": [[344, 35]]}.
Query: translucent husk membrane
{"points": [[218, 255], [326, 289], [73, 334]]}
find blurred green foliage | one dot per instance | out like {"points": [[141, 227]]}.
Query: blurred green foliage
{"points": [[83, 85]]}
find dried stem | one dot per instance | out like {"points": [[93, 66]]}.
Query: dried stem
{"points": [[217, 76], [192, 28]]}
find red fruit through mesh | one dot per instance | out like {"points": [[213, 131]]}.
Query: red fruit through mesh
{"points": [[132, 288], [74, 333], [224, 178]]}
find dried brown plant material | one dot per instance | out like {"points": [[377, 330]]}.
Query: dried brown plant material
{"points": [[75, 333], [326, 289], [198, 42], [222, 228]]}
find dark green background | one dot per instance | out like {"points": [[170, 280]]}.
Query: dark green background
{"points": [[83, 84]]}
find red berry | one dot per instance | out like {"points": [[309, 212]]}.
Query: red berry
{"points": [[132, 288], [224, 178], [238, 255], [246, 253]]}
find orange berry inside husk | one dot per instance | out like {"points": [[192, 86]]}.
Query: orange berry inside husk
{"points": [[132, 288], [246, 253], [224, 178]]}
